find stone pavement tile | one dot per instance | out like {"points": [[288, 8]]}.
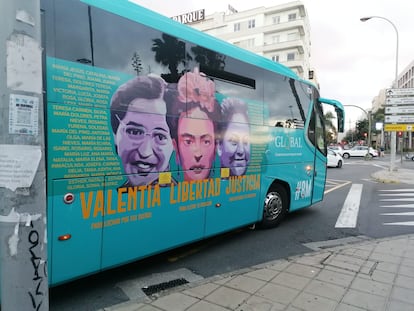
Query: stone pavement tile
{"points": [[279, 265], [148, 308], [387, 267], [302, 270], [325, 289], [202, 290], [264, 274], [371, 287], [404, 281], [206, 306], [256, 303], [408, 262], [222, 281], [368, 267], [128, 306], [277, 293], [312, 302], [409, 254], [403, 294], [381, 257], [392, 247], [290, 280], [406, 270], [379, 276], [356, 252], [227, 297], [394, 305], [335, 277], [174, 302], [345, 262], [346, 307], [245, 283], [364, 300], [313, 259]]}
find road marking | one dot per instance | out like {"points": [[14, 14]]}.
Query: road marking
{"points": [[392, 194], [349, 213], [337, 185], [406, 223]]}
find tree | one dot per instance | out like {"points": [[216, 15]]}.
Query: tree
{"points": [[136, 63], [169, 51], [331, 133]]}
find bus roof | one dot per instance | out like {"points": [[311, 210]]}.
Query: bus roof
{"points": [[135, 12]]}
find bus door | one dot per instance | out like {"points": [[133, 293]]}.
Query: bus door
{"points": [[237, 205], [76, 236], [316, 134]]}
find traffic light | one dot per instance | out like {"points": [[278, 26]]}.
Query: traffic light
{"points": [[400, 133], [365, 134]]}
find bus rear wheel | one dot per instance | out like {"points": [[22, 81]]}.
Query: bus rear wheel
{"points": [[275, 207]]}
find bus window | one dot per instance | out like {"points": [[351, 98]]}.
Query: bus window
{"points": [[284, 100], [72, 42]]}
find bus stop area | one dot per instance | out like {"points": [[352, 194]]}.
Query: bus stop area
{"points": [[353, 275]]}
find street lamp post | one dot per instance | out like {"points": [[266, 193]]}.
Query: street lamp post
{"points": [[393, 133]]}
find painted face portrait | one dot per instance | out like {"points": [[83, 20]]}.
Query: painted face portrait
{"points": [[234, 145], [142, 136], [196, 145], [193, 111]]}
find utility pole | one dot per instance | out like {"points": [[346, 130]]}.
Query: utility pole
{"points": [[23, 242]]}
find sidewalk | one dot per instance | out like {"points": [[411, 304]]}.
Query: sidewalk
{"points": [[370, 274]]}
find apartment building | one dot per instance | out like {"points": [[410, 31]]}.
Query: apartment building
{"points": [[281, 33], [406, 77]]}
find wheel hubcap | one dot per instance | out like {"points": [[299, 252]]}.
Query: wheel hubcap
{"points": [[273, 205]]}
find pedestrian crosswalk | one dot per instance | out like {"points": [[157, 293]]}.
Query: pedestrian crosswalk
{"points": [[400, 199]]}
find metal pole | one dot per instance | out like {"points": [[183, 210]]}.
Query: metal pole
{"points": [[23, 249], [393, 133]]}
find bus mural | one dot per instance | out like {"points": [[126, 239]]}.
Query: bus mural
{"points": [[159, 135]]}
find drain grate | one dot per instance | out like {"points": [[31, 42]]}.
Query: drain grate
{"points": [[152, 289]]}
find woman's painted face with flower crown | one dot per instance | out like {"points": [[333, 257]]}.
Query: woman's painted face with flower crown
{"points": [[196, 144], [196, 141]]}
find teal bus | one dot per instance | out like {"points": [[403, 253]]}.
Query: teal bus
{"points": [[158, 135]]}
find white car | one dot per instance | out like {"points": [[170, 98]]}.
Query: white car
{"points": [[337, 149], [360, 151], [334, 159]]}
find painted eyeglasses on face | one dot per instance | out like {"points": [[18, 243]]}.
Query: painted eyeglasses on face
{"points": [[137, 133]]}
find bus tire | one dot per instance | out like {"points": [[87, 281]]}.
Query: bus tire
{"points": [[275, 207]]}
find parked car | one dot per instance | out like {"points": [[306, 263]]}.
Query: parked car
{"points": [[337, 149], [360, 151], [334, 159], [410, 156]]}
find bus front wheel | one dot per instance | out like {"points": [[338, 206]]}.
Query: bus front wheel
{"points": [[275, 207]]}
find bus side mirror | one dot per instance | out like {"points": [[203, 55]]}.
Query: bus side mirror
{"points": [[340, 118]]}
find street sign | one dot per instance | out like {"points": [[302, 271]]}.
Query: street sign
{"points": [[399, 119], [399, 100], [399, 109], [400, 92], [398, 127]]}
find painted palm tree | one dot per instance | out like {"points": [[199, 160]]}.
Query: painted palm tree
{"points": [[170, 52]]}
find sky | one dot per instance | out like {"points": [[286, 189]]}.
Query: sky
{"points": [[353, 60]]}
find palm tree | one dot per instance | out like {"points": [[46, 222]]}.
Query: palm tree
{"points": [[169, 51]]}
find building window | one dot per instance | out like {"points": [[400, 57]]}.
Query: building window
{"points": [[236, 27], [292, 36], [290, 56], [250, 42], [292, 17], [251, 23], [275, 58], [276, 19], [276, 39]]}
